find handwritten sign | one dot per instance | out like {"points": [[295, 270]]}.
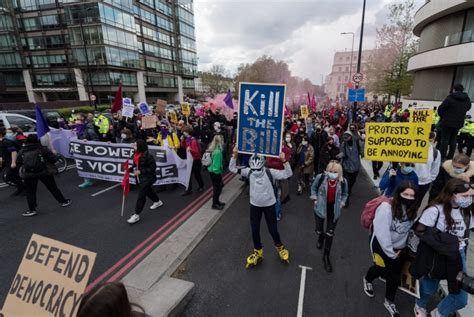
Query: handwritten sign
{"points": [[397, 142], [161, 107], [261, 114], [149, 122], [304, 111], [50, 280]]}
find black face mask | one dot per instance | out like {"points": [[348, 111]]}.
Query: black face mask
{"points": [[408, 203]]}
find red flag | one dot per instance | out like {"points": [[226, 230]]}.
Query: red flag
{"points": [[126, 179], [309, 100], [117, 105], [313, 104]]}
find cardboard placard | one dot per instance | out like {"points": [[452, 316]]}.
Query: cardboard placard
{"points": [[149, 122], [304, 111], [50, 280], [161, 107]]}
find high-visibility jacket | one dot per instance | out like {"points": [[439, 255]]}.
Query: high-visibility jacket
{"points": [[468, 128], [72, 119], [102, 123], [388, 111], [172, 138], [435, 117]]}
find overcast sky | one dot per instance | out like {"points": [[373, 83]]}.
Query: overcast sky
{"points": [[304, 33]]}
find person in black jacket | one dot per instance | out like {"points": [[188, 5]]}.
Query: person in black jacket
{"points": [[144, 170], [8, 155], [328, 153], [441, 254], [452, 113], [36, 163], [318, 140]]}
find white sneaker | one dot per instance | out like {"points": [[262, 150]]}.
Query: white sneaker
{"points": [[133, 219], [158, 204], [392, 309], [368, 288], [420, 311]]}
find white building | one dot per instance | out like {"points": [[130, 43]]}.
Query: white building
{"points": [[446, 51], [341, 73]]}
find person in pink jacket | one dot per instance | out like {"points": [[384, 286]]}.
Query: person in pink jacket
{"points": [[191, 144]]}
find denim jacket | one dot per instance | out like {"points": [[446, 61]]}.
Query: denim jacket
{"points": [[342, 192]]}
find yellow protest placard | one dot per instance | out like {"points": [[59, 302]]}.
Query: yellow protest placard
{"points": [[422, 116], [50, 280], [173, 117], [397, 142], [186, 109], [304, 111]]}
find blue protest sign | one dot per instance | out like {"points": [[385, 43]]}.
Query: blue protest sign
{"points": [[261, 115], [144, 109], [356, 95]]}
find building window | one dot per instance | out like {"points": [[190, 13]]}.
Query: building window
{"points": [[10, 60], [468, 34], [465, 76]]}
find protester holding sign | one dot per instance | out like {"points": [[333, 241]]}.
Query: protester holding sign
{"points": [[388, 239], [144, 170], [37, 164]]}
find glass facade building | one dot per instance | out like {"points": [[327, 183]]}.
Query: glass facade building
{"points": [[446, 50], [69, 50]]}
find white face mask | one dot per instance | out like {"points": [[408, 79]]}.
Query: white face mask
{"points": [[288, 140], [304, 143], [332, 176], [123, 136]]}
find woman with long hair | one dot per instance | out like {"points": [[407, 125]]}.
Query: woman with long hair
{"points": [[329, 193], [448, 215], [216, 169], [144, 170], [391, 226]]}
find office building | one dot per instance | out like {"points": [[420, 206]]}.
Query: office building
{"points": [[341, 73], [70, 50], [446, 51]]}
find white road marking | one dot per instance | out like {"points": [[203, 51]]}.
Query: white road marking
{"points": [[302, 285], [106, 190]]}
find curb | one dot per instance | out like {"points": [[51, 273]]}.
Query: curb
{"points": [[150, 283]]}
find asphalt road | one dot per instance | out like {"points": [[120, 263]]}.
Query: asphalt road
{"points": [[92, 223], [223, 287]]}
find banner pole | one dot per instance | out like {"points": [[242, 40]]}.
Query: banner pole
{"points": [[123, 204]]}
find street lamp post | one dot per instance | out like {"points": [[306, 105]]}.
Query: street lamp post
{"points": [[89, 77], [359, 58], [352, 51]]}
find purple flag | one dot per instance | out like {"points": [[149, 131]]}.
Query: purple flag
{"points": [[41, 125], [228, 100]]}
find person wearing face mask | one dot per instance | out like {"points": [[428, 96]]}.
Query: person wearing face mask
{"points": [[126, 136], [8, 155], [305, 164], [459, 167], [191, 145], [443, 226], [262, 202], [329, 193], [427, 172], [293, 149], [85, 130], [350, 153], [393, 177], [317, 140], [388, 240], [333, 135], [328, 153], [166, 137]]}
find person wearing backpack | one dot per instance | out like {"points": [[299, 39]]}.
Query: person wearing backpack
{"points": [[262, 201], [329, 193], [216, 169], [350, 153], [388, 239], [444, 226], [36, 163]]}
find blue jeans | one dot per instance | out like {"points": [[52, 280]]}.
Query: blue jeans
{"points": [[451, 303]]}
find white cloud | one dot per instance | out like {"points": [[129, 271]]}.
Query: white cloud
{"points": [[305, 34]]}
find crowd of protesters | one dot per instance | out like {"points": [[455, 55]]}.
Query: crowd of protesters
{"points": [[324, 153]]}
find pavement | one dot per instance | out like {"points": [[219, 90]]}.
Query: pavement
{"points": [[223, 287], [92, 222]]}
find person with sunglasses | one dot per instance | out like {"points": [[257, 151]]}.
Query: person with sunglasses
{"points": [[395, 176]]}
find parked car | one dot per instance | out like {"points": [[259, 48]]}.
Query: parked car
{"points": [[26, 124], [51, 116]]}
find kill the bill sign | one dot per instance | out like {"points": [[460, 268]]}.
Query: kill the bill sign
{"points": [[261, 115], [400, 141]]}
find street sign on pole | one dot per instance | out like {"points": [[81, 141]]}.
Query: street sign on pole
{"points": [[358, 77], [356, 95]]}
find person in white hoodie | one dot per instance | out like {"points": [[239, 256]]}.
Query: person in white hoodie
{"points": [[427, 172], [388, 239], [262, 201]]}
